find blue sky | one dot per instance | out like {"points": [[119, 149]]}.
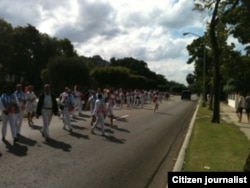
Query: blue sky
{"points": [[148, 30]]}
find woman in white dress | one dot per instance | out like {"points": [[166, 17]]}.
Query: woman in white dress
{"points": [[30, 104]]}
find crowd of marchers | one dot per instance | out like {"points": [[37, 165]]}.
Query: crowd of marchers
{"points": [[19, 102]]}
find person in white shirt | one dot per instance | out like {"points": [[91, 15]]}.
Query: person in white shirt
{"points": [[110, 104], [91, 104], [21, 102], [9, 110], [78, 99], [30, 104], [100, 112], [156, 101], [68, 102]]}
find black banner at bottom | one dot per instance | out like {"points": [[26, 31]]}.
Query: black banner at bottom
{"points": [[208, 179]]}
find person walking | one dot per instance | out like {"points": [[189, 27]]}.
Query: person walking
{"points": [[9, 110], [61, 96], [21, 103], [46, 106], [240, 107], [110, 104], [68, 102], [247, 107], [30, 104], [91, 104], [78, 98], [100, 112], [156, 101]]}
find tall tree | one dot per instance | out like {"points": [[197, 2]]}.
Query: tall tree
{"points": [[216, 31], [216, 60], [111, 76], [6, 48], [64, 71]]}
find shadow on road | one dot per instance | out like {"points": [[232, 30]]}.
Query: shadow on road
{"points": [[115, 127], [78, 135], [115, 140], [78, 127], [58, 144], [26, 141], [16, 149]]}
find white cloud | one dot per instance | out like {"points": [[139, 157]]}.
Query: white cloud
{"points": [[148, 30]]}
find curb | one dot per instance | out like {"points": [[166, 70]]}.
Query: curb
{"points": [[180, 159]]}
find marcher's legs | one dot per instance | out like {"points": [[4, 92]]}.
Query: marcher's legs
{"points": [[19, 121], [97, 120], [240, 114], [46, 115], [79, 105], [12, 122], [30, 116], [100, 121], [111, 119], [156, 107], [5, 119], [67, 119]]}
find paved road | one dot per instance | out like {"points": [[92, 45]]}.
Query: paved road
{"points": [[137, 153]]}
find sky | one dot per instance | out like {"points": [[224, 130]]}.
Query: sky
{"points": [[146, 30]]}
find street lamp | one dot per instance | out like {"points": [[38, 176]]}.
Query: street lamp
{"points": [[204, 69]]}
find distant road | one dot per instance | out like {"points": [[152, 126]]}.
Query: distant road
{"points": [[138, 153]]}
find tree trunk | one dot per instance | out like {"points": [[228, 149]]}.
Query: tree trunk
{"points": [[216, 62]]}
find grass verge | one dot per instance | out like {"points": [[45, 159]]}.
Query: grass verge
{"points": [[215, 147]]}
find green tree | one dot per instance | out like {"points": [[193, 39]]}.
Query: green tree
{"points": [[238, 17], [217, 38], [140, 68], [26, 43], [190, 79], [66, 71], [6, 49], [108, 76]]}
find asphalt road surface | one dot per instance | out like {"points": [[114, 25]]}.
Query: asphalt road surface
{"points": [[137, 153]]}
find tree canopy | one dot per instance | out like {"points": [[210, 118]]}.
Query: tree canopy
{"points": [[30, 57], [226, 68]]}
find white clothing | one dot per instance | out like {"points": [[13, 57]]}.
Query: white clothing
{"points": [[21, 102], [11, 118], [10, 102], [47, 116], [31, 101], [98, 111], [68, 103], [92, 100], [78, 99]]}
